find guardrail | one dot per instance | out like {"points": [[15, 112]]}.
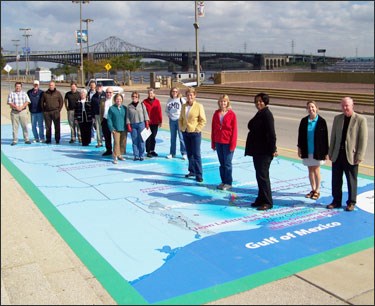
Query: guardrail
{"points": [[292, 94]]}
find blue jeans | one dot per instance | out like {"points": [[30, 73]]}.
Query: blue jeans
{"points": [[193, 150], [37, 125], [173, 126], [137, 141], [225, 158]]}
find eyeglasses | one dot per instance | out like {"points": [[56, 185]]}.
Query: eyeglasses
{"points": [[109, 92], [134, 96]]}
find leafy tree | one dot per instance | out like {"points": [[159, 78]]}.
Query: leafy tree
{"points": [[92, 67], [126, 63], [2, 60]]}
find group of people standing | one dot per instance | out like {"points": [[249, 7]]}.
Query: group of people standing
{"points": [[113, 119], [44, 107], [346, 149]]}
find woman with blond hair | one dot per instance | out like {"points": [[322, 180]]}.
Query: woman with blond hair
{"points": [[313, 146], [191, 122], [224, 139]]}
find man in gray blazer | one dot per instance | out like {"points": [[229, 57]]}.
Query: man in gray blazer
{"points": [[346, 150]]}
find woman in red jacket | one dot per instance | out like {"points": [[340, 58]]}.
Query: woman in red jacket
{"points": [[153, 107], [224, 139]]}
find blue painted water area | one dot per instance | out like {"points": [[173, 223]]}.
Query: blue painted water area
{"points": [[167, 238]]}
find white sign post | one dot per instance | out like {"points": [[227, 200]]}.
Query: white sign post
{"points": [[8, 68]]}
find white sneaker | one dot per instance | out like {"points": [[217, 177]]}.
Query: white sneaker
{"points": [[184, 157], [169, 156], [227, 187]]}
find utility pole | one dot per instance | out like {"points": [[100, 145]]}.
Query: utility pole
{"points": [[87, 39], [88, 20], [80, 40], [294, 60], [27, 50], [16, 44], [196, 27]]}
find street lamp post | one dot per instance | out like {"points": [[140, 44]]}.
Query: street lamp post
{"points": [[80, 40], [87, 29], [26, 35], [196, 27], [16, 45]]}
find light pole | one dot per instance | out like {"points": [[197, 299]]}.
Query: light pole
{"points": [[26, 35], [16, 45], [196, 27], [80, 40], [87, 29]]}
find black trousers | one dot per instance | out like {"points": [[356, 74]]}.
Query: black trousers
{"points": [[85, 128], [262, 166], [107, 135], [49, 117], [151, 141], [339, 167]]}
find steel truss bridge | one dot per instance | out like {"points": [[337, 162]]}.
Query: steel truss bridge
{"points": [[114, 46]]}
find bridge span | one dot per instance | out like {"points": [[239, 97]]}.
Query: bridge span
{"points": [[113, 46]]}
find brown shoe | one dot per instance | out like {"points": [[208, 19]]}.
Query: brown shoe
{"points": [[333, 205], [350, 207], [315, 195]]}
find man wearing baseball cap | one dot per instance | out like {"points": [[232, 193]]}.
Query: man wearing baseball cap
{"points": [[37, 120]]}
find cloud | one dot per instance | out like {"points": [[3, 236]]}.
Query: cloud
{"points": [[341, 27]]}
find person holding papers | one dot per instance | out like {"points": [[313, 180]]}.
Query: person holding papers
{"points": [[137, 120]]}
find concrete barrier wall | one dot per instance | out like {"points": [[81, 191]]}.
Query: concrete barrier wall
{"points": [[330, 77]]}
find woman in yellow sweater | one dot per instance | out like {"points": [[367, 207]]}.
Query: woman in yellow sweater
{"points": [[191, 122]]}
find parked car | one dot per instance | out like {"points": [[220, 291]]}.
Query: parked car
{"points": [[107, 83]]}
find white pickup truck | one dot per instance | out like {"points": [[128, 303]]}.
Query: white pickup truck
{"points": [[107, 83]]}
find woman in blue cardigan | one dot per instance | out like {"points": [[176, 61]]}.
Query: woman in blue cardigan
{"points": [[313, 146]]}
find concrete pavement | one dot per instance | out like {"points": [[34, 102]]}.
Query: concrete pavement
{"points": [[38, 267]]}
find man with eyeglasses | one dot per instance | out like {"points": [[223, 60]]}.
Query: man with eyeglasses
{"points": [[104, 107]]}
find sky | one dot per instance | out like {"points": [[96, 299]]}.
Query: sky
{"points": [[343, 28]]}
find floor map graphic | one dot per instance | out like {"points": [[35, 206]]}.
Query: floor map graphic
{"points": [[152, 236]]}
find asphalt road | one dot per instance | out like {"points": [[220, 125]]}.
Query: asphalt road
{"points": [[286, 120]]}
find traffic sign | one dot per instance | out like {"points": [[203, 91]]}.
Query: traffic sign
{"points": [[8, 68], [108, 66], [26, 50]]}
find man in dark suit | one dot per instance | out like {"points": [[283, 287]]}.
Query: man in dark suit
{"points": [[346, 151]]}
